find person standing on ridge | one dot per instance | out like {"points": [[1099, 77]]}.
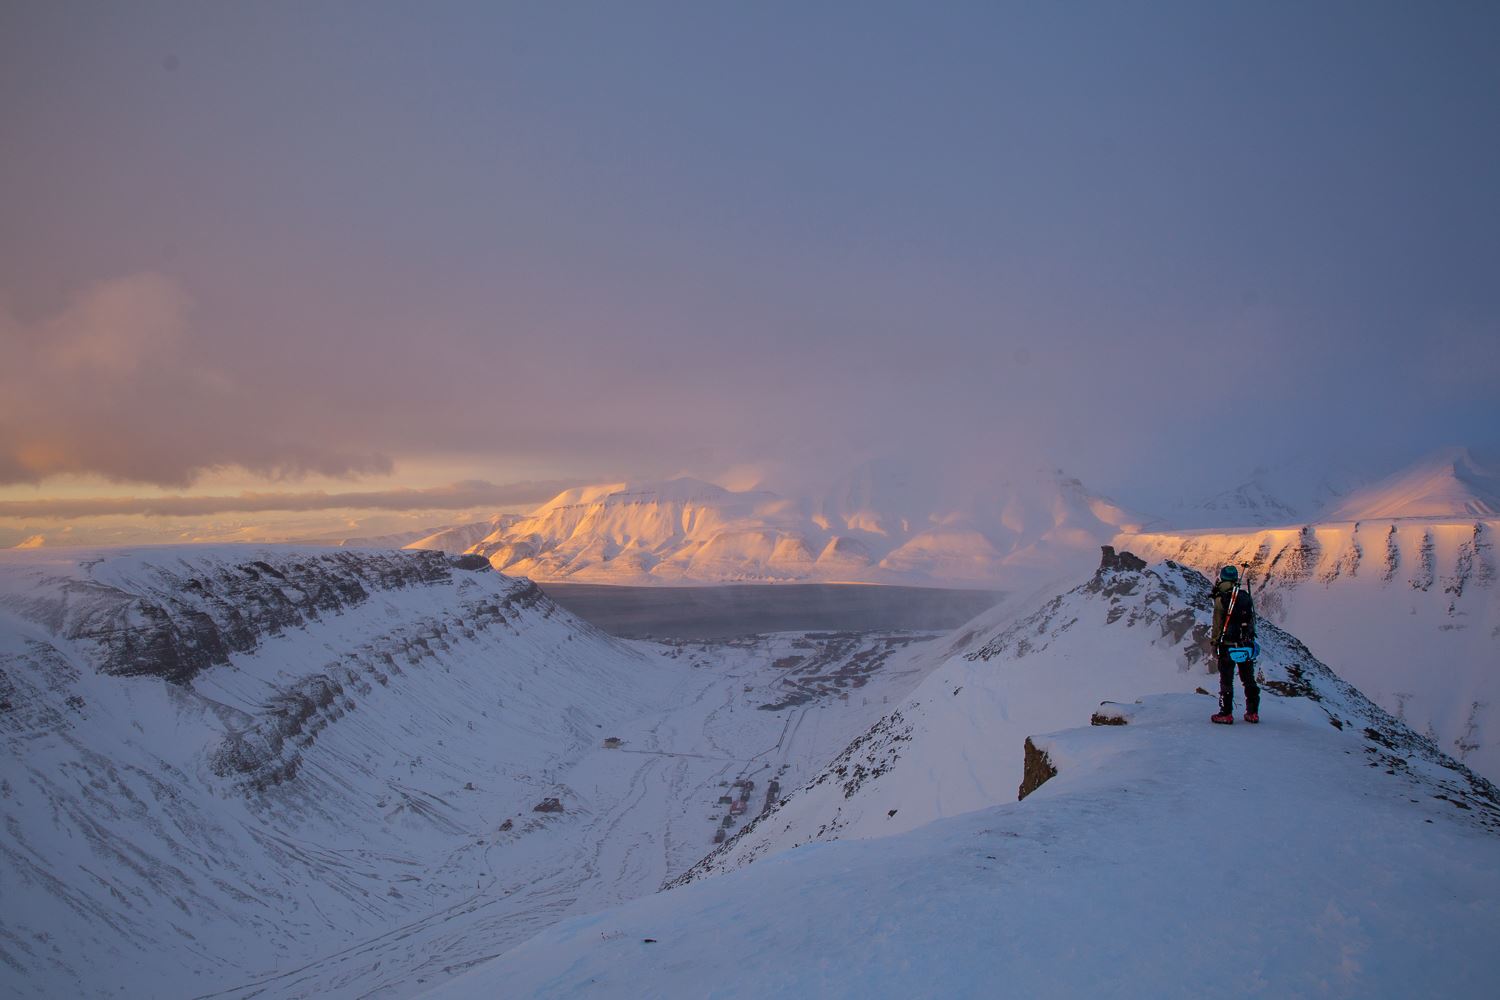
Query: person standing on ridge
{"points": [[1234, 643]]}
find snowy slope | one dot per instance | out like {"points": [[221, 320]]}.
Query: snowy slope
{"points": [[1250, 502], [1450, 484], [217, 759], [1295, 490], [1329, 851], [460, 537], [307, 772], [649, 532], [878, 525], [1129, 629], [1407, 609]]}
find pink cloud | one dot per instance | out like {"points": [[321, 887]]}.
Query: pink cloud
{"points": [[112, 384]]}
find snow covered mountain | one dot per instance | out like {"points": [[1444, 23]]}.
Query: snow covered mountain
{"points": [[461, 537], [1400, 597], [1328, 851], [1251, 502], [1289, 492], [1451, 483], [878, 525], [294, 772], [219, 761], [1130, 629]]}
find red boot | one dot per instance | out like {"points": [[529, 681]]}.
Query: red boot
{"points": [[1223, 719], [1252, 717]]}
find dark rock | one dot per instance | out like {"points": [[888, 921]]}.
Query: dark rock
{"points": [[1112, 561], [194, 623], [548, 806], [1036, 770], [1295, 686], [469, 562]]}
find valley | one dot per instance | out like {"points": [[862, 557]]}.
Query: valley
{"points": [[333, 773], [737, 610], [1328, 851], [631, 815], [239, 771]]}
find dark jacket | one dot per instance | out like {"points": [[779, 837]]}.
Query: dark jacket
{"points": [[1222, 590]]}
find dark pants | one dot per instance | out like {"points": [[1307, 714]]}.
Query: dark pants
{"points": [[1226, 685]]}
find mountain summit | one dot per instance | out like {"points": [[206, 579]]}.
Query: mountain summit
{"points": [[879, 524], [1449, 483]]}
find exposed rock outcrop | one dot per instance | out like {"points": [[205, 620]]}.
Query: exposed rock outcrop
{"points": [[179, 624], [1112, 561], [1036, 771]]}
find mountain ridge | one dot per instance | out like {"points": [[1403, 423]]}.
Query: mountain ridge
{"points": [[1449, 483], [872, 529], [1407, 609], [218, 758]]}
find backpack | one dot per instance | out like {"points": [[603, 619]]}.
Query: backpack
{"points": [[1239, 626]]}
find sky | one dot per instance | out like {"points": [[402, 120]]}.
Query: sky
{"points": [[457, 254]]}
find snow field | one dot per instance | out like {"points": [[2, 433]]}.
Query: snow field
{"points": [[1406, 610], [403, 847], [1168, 858]]}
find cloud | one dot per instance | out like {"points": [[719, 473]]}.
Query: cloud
{"points": [[115, 327], [116, 383], [455, 496]]}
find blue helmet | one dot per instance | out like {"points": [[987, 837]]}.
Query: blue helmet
{"points": [[1230, 574]]}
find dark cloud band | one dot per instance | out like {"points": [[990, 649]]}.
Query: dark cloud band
{"points": [[456, 496]]}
